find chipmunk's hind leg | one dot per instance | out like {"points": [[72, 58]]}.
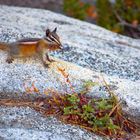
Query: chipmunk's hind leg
{"points": [[10, 59], [13, 53]]}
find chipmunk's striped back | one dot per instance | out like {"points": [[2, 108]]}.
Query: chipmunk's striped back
{"points": [[28, 41]]}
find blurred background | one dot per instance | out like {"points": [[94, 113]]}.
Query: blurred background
{"points": [[120, 16]]}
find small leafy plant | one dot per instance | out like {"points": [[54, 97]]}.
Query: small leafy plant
{"points": [[75, 8], [91, 114]]}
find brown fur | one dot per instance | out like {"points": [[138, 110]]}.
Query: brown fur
{"points": [[27, 50]]}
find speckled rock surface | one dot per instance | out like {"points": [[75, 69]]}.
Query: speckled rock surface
{"points": [[116, 56], [21, 124]]}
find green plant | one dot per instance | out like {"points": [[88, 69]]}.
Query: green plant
{"points": [[106, 17], [103, 104], [102, 116], [73, 100], [122, 16], [75, 8], [87, 112], [89, 83]]}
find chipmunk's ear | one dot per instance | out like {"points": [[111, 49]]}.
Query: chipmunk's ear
{"points": [[55, 30], [47, 32]]}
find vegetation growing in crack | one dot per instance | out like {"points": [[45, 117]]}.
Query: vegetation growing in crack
{"points": [[98, 115]]}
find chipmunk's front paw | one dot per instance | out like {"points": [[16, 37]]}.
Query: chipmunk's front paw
{"points": [[46, 65], [9, 60], [51, 60]]}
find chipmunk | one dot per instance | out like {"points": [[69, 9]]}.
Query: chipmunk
{"points": [[33, 46]]}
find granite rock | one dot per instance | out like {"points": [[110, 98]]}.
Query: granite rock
{"points": [[24, 123]]}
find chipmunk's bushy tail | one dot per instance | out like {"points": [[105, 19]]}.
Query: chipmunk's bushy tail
{"points": [[4, 46]]}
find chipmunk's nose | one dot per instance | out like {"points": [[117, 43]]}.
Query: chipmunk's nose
{"points": [[61, 47]]}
